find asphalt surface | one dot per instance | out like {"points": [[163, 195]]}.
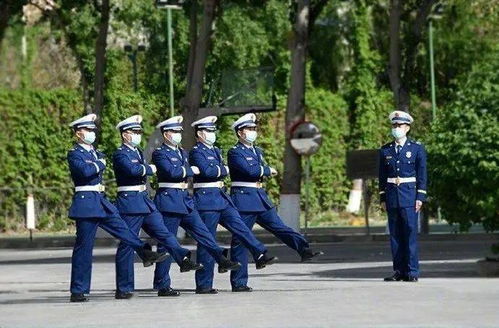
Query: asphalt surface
{"points": [[344, 288]]}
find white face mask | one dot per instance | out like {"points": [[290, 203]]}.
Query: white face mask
{"points": [[210, 137], [251, 136], [176, 138], [88, 137], [398, 132], [135, 139]]}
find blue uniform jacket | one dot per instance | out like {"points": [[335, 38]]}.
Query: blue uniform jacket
{"points": [[130, 169], [410, 162], [248, 166], [83, 167], [211, 165], [173, 167]]}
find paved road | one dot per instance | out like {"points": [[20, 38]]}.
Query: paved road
{"points": [[343, 289]]}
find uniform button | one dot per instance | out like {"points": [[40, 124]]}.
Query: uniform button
{"points": [[126, 195], [242, 192], [82, 196], [398, 161], [398, 169]]}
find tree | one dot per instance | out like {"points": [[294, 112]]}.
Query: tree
{"points": [[200, 42], [304, 16], [402, 56], [100, 56]]}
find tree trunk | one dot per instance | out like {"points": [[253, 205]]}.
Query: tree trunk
{"points": [[100, 58], [193, 37], [394, 52], [412, 42], [401, 79], [295, 113], [5, 13], [194, 91]]}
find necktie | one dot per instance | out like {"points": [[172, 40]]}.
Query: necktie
{"points": [[399, 147], [94, 154]]}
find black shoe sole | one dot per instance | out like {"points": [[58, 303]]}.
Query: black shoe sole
{"points": [[177, 294], [162, 258], [313, 256], [270, 262], [196, 268], [242, 290], [207, 292], [231, 268]]}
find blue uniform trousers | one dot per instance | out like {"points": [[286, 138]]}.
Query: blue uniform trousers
{"points": [[81, 262], [193, 224], [230, 219], [270, 221], [153, 225], [403, 225]]}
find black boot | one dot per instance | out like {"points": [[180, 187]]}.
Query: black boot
{"points": [[227, 265], [308, 254], [264, 260], [168, 292], [188, 265], [397, 276], [123, 295], [78, 298], [242, 289], [149, 257]]}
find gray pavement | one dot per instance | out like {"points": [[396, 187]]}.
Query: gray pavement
{"points": [[343, 289]]}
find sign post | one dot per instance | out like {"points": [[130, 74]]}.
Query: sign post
{"points": [[363, 164], [306, 140]]}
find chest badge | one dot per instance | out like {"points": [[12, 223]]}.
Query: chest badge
{"points": [[408, 154]]}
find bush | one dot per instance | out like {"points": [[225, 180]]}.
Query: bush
{"points": [[464, 151]]}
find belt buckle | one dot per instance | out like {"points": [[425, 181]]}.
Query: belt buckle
{"points": [[259, 185], [397, 181], [102, 188], [183, 185], [142, 188]]}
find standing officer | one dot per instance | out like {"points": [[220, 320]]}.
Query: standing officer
{"points": [[215, 206], [135, 207], [91, 209], [402, 188], [177, 206], [247, 171]]}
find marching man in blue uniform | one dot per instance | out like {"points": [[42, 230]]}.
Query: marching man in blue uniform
{"points": [[137, 209], [177, 206], [91, 209], [247, 171], [215, 205], [402, 188]]}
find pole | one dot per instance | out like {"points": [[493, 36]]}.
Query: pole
{"points": [[170, 58], [134, 65], [432, 71], [366, 206], [307, 191]]}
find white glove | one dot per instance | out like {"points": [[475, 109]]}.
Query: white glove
{"points": [[153, 168], [227, 168], [273, 171], [195, 170], [103, 161]]}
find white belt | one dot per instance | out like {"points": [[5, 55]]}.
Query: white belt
{"points": [[399, 180], [247, 184], [218, 184], [179, 185], [97, 187], [132, 188]]}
